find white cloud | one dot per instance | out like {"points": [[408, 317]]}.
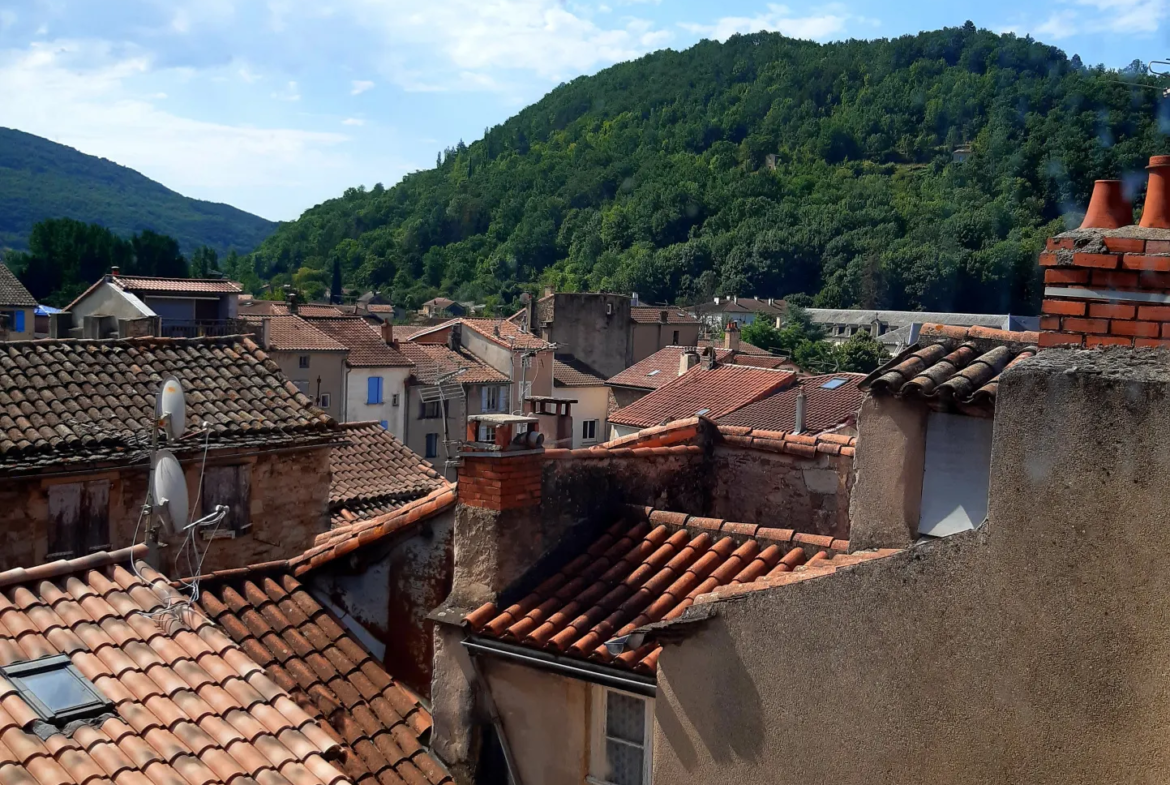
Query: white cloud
{"points": [[353, 121], [777, 18], [1140, 18], [248, 76], [106, 117], [360, 86], [290, 93]]}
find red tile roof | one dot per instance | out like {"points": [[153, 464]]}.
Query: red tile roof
{"points": [[953, 367], [188, 705], [433, 360], [651, 567], [280, 308], [744, 347], [12, 291], [86, 400], [643, 374], [382, 726], [645, 314], [568, 371], [714, 393], [145, 284], [824, 408], [501, 331], [374, 473], [365, 344], [294, 334]]}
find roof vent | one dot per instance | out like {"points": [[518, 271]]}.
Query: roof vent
{"points": [[801, 401]]}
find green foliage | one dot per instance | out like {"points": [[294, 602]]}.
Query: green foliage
{"points": [[763, 165], [802, 340], [40, 179], [862, 353]]}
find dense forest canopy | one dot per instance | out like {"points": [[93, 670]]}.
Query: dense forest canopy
{"points": [[40, 180], [763, 165]]}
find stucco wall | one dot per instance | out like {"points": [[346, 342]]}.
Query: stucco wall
{"points": [[581, 327], [330, 366], [592, 404], [1029, 651], [649, 338], [393, 383], [289, 494], [888, 466], [417, 428], [106, 300]]}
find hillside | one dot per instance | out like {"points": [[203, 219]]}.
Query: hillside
{"points": [[763, 165], [40, 179]]}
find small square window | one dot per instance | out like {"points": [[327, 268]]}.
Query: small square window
{"points": [[589, 430], [394, 399], [56, 690], [303, 361], [326, 400]]}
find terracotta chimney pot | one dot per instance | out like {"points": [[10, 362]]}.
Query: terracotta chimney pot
{"points": [[1108, 208], [1156, 212]]}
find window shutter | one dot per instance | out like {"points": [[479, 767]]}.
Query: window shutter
{"points": [[379, 378], [96, 516], [483, 399], [64, 519], [18, 322]]}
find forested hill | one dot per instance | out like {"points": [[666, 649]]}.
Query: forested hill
{"points": [[40, 180], [763, 165]]}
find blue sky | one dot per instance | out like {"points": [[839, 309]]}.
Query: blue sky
{"points": [[276, 105]]}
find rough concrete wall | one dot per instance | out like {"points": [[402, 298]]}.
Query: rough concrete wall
{"points": [[391, 592], [418, 428], [546, 720], [1026, 651], [582, 328], [889, 464], [787, 492], [625, 396], [593, 489], [455, 736]]}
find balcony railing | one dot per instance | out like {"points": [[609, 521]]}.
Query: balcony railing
{"points": [[196, 328]]}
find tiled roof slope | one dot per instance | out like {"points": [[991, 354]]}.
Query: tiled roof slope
{"points": [[643, 314], [953, 368], [374, 473], [762, 361], [715, 393], [142, 283], [433, 360], [568, 371], [279, 308], [365, 344], [188, 705], [88, 400], [509, 335], [12, 291], [648, 568], [382, 726], [744, 347], [294, 334], [824, 408], [665, 361]]}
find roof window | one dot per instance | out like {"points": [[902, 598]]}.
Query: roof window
{"points": [[55, 689], [701, 412], [833, 384], [655, 372]]}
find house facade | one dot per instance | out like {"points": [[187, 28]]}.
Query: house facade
{"points": [[134, 305], [17, 320], [312, 360], [592, 400]]}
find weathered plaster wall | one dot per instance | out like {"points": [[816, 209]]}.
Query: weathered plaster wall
{"points": [[889, 464], [1024, 652], [581, 327], [592, 404], [649, 338], [329, 366], [357, 392], [391, 590]]}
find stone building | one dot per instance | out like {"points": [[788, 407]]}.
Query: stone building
{"points": [[75, 443]]}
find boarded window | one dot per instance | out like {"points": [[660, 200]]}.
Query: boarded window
{"points": [[230, 485], [79, 519], [958, 469]]}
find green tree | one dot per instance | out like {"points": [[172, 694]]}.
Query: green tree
{"points": [[204, 262], [862, 353]]}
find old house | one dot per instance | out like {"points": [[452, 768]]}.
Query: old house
{"points": [[592, 399], [897, 330], [311, 359], [441, 308], [16, 308], [744, 310], [135, 305], [75, 420]]}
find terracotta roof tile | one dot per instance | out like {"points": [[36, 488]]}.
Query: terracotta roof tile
{"points": [[12, 291], [67, 401], [294, 334], [280, 308], [154, 674], [824, 408], [365, 344], [502, 331], [647, 568], [658, 369], [568, 371], [309, 655], [713, 393], [433, 360], [142, 283], [648, 314], [374, 473], [953, 367], [744, 347]]}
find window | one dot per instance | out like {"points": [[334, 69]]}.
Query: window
{"points": [[655, 372], [303, 361], [429, 410], [55, 689], [485, 433], [958, 472], [589, 430], [489, 399], [385, 425], [833, 384], [432, 445], [394, 399], [230, 485], [674, 340], [620, 752], [79, 519], [326, 400], [374, 390]]}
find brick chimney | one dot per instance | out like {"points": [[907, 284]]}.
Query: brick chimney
{"points": [[388, 334], [1106, 286], [731, 336]]}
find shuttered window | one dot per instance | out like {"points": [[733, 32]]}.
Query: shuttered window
{"points": [[79, 519], [374, 390], [230, 485]]}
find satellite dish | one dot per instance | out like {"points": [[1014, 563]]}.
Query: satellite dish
{"points": [[169, 488], [170, 408]]}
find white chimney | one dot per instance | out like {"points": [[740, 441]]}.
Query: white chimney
{"points": [[634, 299], [800, 404], [686, 361]]}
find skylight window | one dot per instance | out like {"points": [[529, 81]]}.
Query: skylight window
{"points": [[655, 372], [833, 384], [702, 412], [56, 690]]}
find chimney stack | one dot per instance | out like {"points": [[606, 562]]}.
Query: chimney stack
{"points": [[709, 362], [687, 360], [634, 300], [388, 334], [801, 402], [292, 303], [115, 270], [731, 336], [1108, 285]]}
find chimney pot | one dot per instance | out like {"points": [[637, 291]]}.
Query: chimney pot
{"points": [[115, 270], [731, 336], [801, 402], [634, 299], [1108, 208], [1156, 211]]}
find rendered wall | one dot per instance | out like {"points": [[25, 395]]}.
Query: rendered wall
{"points": [[1029, 651]]}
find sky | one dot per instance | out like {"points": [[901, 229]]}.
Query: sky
{"points": [[277, 105]]}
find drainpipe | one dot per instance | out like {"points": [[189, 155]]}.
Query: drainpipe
{"points": [[800, 404]]}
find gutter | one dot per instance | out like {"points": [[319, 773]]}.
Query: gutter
{"points": [[574, 669]]}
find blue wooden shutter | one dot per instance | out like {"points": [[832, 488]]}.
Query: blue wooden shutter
{"points": [[374, 389], [18, 322]]}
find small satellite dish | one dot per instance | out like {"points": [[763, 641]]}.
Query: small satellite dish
{"points": [[170, 491], [170, 408]]}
